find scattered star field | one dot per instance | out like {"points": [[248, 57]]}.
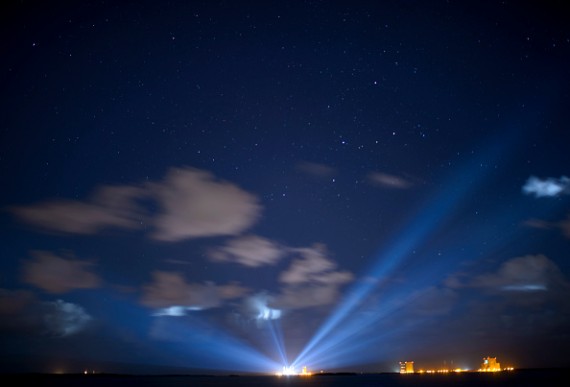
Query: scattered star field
{"points": [[237, 186]]}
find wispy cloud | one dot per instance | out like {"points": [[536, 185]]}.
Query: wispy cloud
{"points": [[549, 187], [191, 203], [64, 318], [537, 223], [109, 206], [22, 313], [311, 280], [249, 250], [55, 274], [563, 225], [530, 273], [388, 181], [13, 302], [316, 169], [258, 307], [169, 293]]}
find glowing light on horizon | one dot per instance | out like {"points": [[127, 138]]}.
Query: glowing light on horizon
{"points": [[290, 371]]}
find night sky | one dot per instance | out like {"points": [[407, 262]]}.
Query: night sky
{"points": [[235, 186]]}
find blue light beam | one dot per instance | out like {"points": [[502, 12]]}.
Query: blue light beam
{"points": [[217, 348], [277, 334], [432, 217]]}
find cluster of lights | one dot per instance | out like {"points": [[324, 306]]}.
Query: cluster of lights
{"points": [[441, 371], [495, 369], [290, 371]]}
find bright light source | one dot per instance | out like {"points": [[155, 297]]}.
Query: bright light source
{"points": [[287, 371]]}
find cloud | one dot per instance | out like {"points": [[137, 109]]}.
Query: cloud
{"points": [[13, 302], [388, 181], [526, 298], [311, 280], [530, 273], [316, 169], [258, 307], [195, 204], [170, 289], [563, 225], [250, 250], [537, 223], [307, 296], [175, 310], [313, 267], [64, 318], [55, 274], [548, 187], [191, 203], [110, 206], [22, 313]]}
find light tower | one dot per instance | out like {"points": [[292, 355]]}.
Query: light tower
{"points": [[490, 364], [406, 367]]}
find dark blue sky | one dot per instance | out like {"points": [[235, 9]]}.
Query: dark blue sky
{"points": [[235, 186]]}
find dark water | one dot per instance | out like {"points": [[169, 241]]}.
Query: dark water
{"points": [[520, 378]]}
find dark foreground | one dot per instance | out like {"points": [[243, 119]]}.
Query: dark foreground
{"points": [[542, 378]]}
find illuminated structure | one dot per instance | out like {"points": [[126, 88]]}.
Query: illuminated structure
{"points": [[406, 367], [290, 371], [490, 364]]}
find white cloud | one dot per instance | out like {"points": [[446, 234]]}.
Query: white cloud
{"points": [[195, 204], [388, 181], [175, 310], [55, 274], [307, 295], [250, 250], [563, 225], [192, 203], [64, 318], [316, 169], [170, 289], [111, 206], [311, 280], [530, 273], [548, 187], [313, 266], [258, 307]]}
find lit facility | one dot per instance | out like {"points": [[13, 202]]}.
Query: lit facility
{"points": [[290, 371], [490, 364], [406, 367]]}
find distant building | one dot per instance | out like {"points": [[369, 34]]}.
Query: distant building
{"points": [[490, 364], [406, 367]]}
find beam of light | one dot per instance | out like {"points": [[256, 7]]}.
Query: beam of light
{"points": [[277, 334], [427, 222], [217, 349], [189, 341], [354, 339], [358, 334], [353, 342]]}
